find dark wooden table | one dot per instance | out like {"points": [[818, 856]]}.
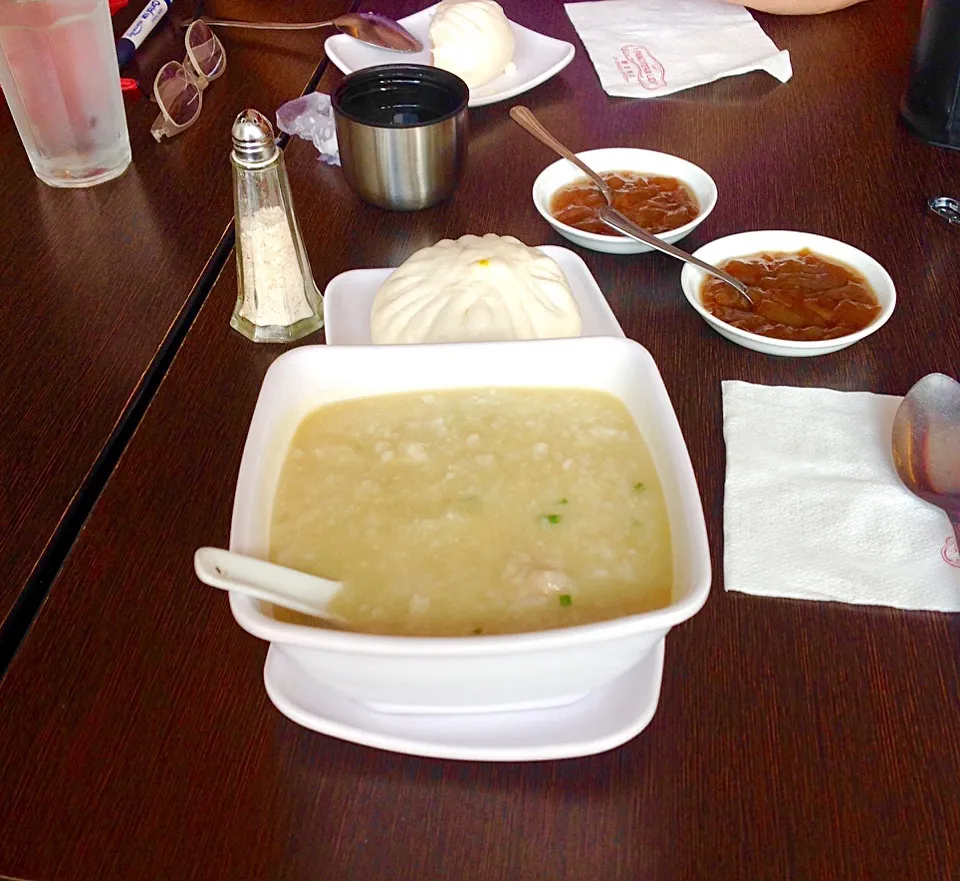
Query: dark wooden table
{"points": [[100, 282], [792, 741]]}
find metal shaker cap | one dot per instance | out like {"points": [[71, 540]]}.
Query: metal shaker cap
{"points": [[253, 142]]}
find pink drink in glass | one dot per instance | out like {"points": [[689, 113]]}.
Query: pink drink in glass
{"points": [[60, 78]]}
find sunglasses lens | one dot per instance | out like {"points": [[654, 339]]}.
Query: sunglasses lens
{"points": [[205, 49], [177, 94]]}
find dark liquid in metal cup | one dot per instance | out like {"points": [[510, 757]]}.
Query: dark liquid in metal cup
{"points": [[401, 95], [397, 107]]}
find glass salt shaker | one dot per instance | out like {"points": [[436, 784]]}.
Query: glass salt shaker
{"points": [[277, 299]]}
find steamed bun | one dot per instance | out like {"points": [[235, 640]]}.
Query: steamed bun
{"points": [[473, 39], [475, 288]]}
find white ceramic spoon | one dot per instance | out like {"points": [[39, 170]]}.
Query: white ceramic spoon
{"points": [[275, 584]]}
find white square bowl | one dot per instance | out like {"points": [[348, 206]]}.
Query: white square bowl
{"points": [[536, 57], [398, 674]]}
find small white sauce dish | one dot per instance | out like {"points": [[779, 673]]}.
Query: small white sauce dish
{"points": [[607, 159], [746, 244], [483, 674]]}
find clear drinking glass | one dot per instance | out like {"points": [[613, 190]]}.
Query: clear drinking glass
{"points": [[61, 80]]}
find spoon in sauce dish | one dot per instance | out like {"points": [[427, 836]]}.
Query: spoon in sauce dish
{"points": [[367, 27], [926, 444], [523, 117], [261, 580]]}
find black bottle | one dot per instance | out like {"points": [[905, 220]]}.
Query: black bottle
{"points": [[931, 105]]}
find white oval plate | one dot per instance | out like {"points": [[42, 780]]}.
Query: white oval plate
{"points": [[604, 719], [537, 58], [349, 297]]}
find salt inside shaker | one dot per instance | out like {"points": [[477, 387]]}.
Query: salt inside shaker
{"points": [[277, 299]]}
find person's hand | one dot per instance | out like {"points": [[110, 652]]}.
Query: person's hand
{"points": [[795, 7]]}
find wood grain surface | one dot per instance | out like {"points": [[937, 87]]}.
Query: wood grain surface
{"points": [[793, 740], [96, 280]]}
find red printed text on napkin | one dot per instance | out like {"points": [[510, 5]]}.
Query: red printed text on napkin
{"points": [[637, 64]]}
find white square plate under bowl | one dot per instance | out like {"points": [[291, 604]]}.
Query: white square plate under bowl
{"points": [[604, 719], [536, 56], [349, 296], [478, 676]]}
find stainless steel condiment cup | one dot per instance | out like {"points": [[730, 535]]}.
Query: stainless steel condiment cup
{"points": [[402, 134]]}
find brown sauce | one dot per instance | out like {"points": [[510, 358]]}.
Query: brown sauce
{"points": [[799, 296], [657, 204]]}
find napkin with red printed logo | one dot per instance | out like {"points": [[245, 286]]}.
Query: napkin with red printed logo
{"points": [[813, 508], [651, 48]]}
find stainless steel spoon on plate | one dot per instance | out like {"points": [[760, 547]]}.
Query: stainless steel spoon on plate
{"points": [[523, 117], [926, 444], [275, 584], [367, 27]]}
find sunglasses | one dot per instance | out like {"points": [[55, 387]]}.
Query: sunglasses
{"points": [[178, 87]]}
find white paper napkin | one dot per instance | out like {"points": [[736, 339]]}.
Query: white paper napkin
{"points": [[814, 510], [650, 48]]}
